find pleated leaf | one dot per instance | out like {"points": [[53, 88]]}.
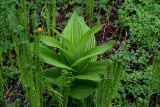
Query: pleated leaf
{"points": [[87, 37], [93, 71], [73, 31], [82, 89], [95, 51], [51, 58], [50, 41], [52, 73], [92, 42], [66, 43]]}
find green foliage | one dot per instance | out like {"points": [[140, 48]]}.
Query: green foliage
{"points": [[135, 82], [89, 9], [18, 16], [13, 104], [1, 83], [71, 72], [76, 57], [104, 5], [109, 84], [5, 48], [142, 18], [50, 14], [155, 78]]}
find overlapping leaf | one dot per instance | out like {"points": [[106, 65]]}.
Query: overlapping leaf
{"points": [[52, 58], [82, 89], [95, 51], [78, 52], [93, 71]]}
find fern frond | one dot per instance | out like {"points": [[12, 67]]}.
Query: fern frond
{"points": [[109, 84], [89, 10], [155, 77]]}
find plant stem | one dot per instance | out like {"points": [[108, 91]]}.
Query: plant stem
{"points": [[83, 104]]}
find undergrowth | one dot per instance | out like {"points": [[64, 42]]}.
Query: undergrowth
{"points": [[48, 61]]}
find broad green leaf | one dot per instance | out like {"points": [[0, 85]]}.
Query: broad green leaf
{"points": [[82, 66], [82, 89], [52, 73], [87, 36], [70, 48], [73, 30], [100, 49], [51, 58], [93, 71], [50, 41], [67, 43], [95, 51], [91, 42], [54, 76]]}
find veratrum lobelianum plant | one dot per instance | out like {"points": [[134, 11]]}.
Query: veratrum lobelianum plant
{"points": [[76, 56]]}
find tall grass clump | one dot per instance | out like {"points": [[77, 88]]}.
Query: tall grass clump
{"points": [[89, 10], [50, 16]]}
